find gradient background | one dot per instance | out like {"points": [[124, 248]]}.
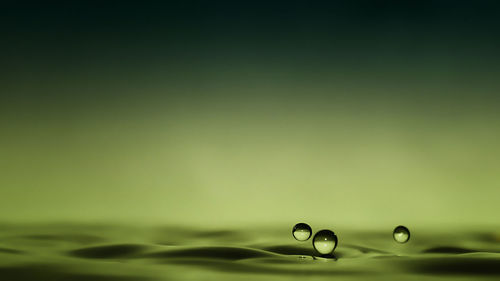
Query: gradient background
{"points": [[217, 113]]}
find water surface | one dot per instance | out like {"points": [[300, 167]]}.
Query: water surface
{"points": [[118, 252]]}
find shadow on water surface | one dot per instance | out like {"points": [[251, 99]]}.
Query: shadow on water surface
{"points": [[108, 251], [10, 251], [224, 253], [448, 250]]}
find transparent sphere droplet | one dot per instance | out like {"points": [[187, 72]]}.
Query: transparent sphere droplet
{"points": [[401, 234], [302, 231], [325, 241]]}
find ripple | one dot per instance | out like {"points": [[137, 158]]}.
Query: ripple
{"points": [[232, 254], [10, 251], [225, 253], [290, 250], [448, 250], [108, 251]]}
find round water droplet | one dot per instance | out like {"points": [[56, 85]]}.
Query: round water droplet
{"points": [[301, 231], [401, 234], [325, 241]]}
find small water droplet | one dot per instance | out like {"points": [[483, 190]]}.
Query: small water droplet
{"points": [[401, 234], [301, 231], [325, 241]]}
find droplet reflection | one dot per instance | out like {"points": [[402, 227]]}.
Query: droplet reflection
{"points": [[325, 242], [302, 231], [401, 234]]}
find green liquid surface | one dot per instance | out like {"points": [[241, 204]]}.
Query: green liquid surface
{"points": [[118, 252]]}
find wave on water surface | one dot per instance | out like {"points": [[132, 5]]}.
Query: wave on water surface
{"points": [[79, 252]]}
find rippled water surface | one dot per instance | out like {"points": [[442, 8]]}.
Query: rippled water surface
{"points": [[107, 252]]}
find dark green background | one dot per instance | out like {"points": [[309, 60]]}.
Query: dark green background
{"points": [[233, 112]]}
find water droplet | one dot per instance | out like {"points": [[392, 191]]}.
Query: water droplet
{"points": [[401, 234], [301, 231], [325, 241]]}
